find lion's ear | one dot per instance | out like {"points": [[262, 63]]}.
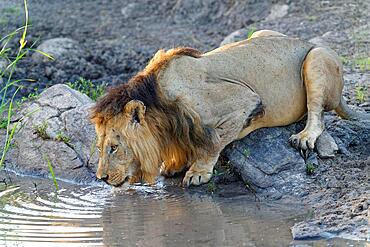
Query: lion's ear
{"points": [[135, 109]]}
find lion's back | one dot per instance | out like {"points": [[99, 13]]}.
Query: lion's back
{"points": [[222, 81]]}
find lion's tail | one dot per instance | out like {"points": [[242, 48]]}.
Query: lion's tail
{"points": [[345, 112]]}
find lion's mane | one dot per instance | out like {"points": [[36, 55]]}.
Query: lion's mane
{"points": [[174, 133]]}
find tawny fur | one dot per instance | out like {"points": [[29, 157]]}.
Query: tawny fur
{"points": [[185, 107], [170, 134]]}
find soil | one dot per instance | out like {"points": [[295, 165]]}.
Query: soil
{"points": [[117, 38]]}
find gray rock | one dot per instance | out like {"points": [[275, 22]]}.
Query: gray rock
{"points": [[277, 11], [133, 10], [267, 162], [58, 48], [61, 112], [235, 36], [326, 146], [320, 41]]}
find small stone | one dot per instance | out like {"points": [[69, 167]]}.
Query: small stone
{"points": [[131, 9], [320, 41], [277, 11], [57, 48], [326, 146], [235, 36]]}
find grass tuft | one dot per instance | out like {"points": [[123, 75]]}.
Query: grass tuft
{"points": [[51, 172], [360, 94], [310, 169], [94, 91], [40, 130], [61, 137]]}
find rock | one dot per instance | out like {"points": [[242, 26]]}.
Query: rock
{"points": [[326, 146], [277, 11], [320, 41], [266, 161], [133, 10], [235, 36], [58, 48], [55, 127]]}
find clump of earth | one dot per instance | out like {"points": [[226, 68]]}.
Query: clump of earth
{"points": [[109, 43]]}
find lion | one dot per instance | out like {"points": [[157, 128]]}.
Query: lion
{"points": [[185, 106]]}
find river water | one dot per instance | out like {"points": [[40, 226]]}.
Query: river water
{"points": [[32, 213]]}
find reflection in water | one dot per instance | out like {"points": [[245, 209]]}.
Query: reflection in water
{"points": [[96, 216]]}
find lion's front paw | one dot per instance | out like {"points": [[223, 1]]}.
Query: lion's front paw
{"points": [[196, 177]]}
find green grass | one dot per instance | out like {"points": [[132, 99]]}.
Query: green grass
{"points": [[61, 137], [12, 10], [40, 130], [12, 56], [360, 63], [251, 31], [311, 18], [310, 169], [360, 94], [52, 172], [246, 152], [94, 91], [31, 96]]}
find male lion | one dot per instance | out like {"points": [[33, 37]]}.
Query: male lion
{"points": [[185, 107]]}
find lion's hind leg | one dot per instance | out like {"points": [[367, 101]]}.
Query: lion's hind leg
{"points": [[322, 76]]}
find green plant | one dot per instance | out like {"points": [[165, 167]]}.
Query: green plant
{"points": [[311, 17], [246, 152], [310, 168], [251, 31], [211, 186], [40, 130], [362, 63], [360, 94], [94, 91], [31, 96], [3, 123], [12, 58], [51, 172], [61, 137], [12, 10]]}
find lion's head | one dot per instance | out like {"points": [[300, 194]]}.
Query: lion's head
{"points": [[117, 161], [139, 128]]}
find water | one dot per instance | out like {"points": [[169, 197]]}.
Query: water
{"points": [[33, 214]]}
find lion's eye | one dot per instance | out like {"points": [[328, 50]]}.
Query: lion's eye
{"points": [[113, 148]]}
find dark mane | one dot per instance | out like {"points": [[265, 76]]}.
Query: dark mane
{"points": [[174, 133], [141, 87]]}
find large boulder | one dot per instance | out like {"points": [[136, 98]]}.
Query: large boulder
{"points": [[55, 129], [268, 164], [334, 180]]}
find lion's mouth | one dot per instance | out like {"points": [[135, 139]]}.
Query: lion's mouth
{"points": [[120, 183]]}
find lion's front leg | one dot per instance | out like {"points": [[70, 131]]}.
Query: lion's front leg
{"points": [[200, 171]]}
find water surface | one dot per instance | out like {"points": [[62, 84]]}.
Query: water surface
{"points": [[33, 214]]}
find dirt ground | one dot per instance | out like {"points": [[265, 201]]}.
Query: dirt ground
{"points": [[117, 38]]}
